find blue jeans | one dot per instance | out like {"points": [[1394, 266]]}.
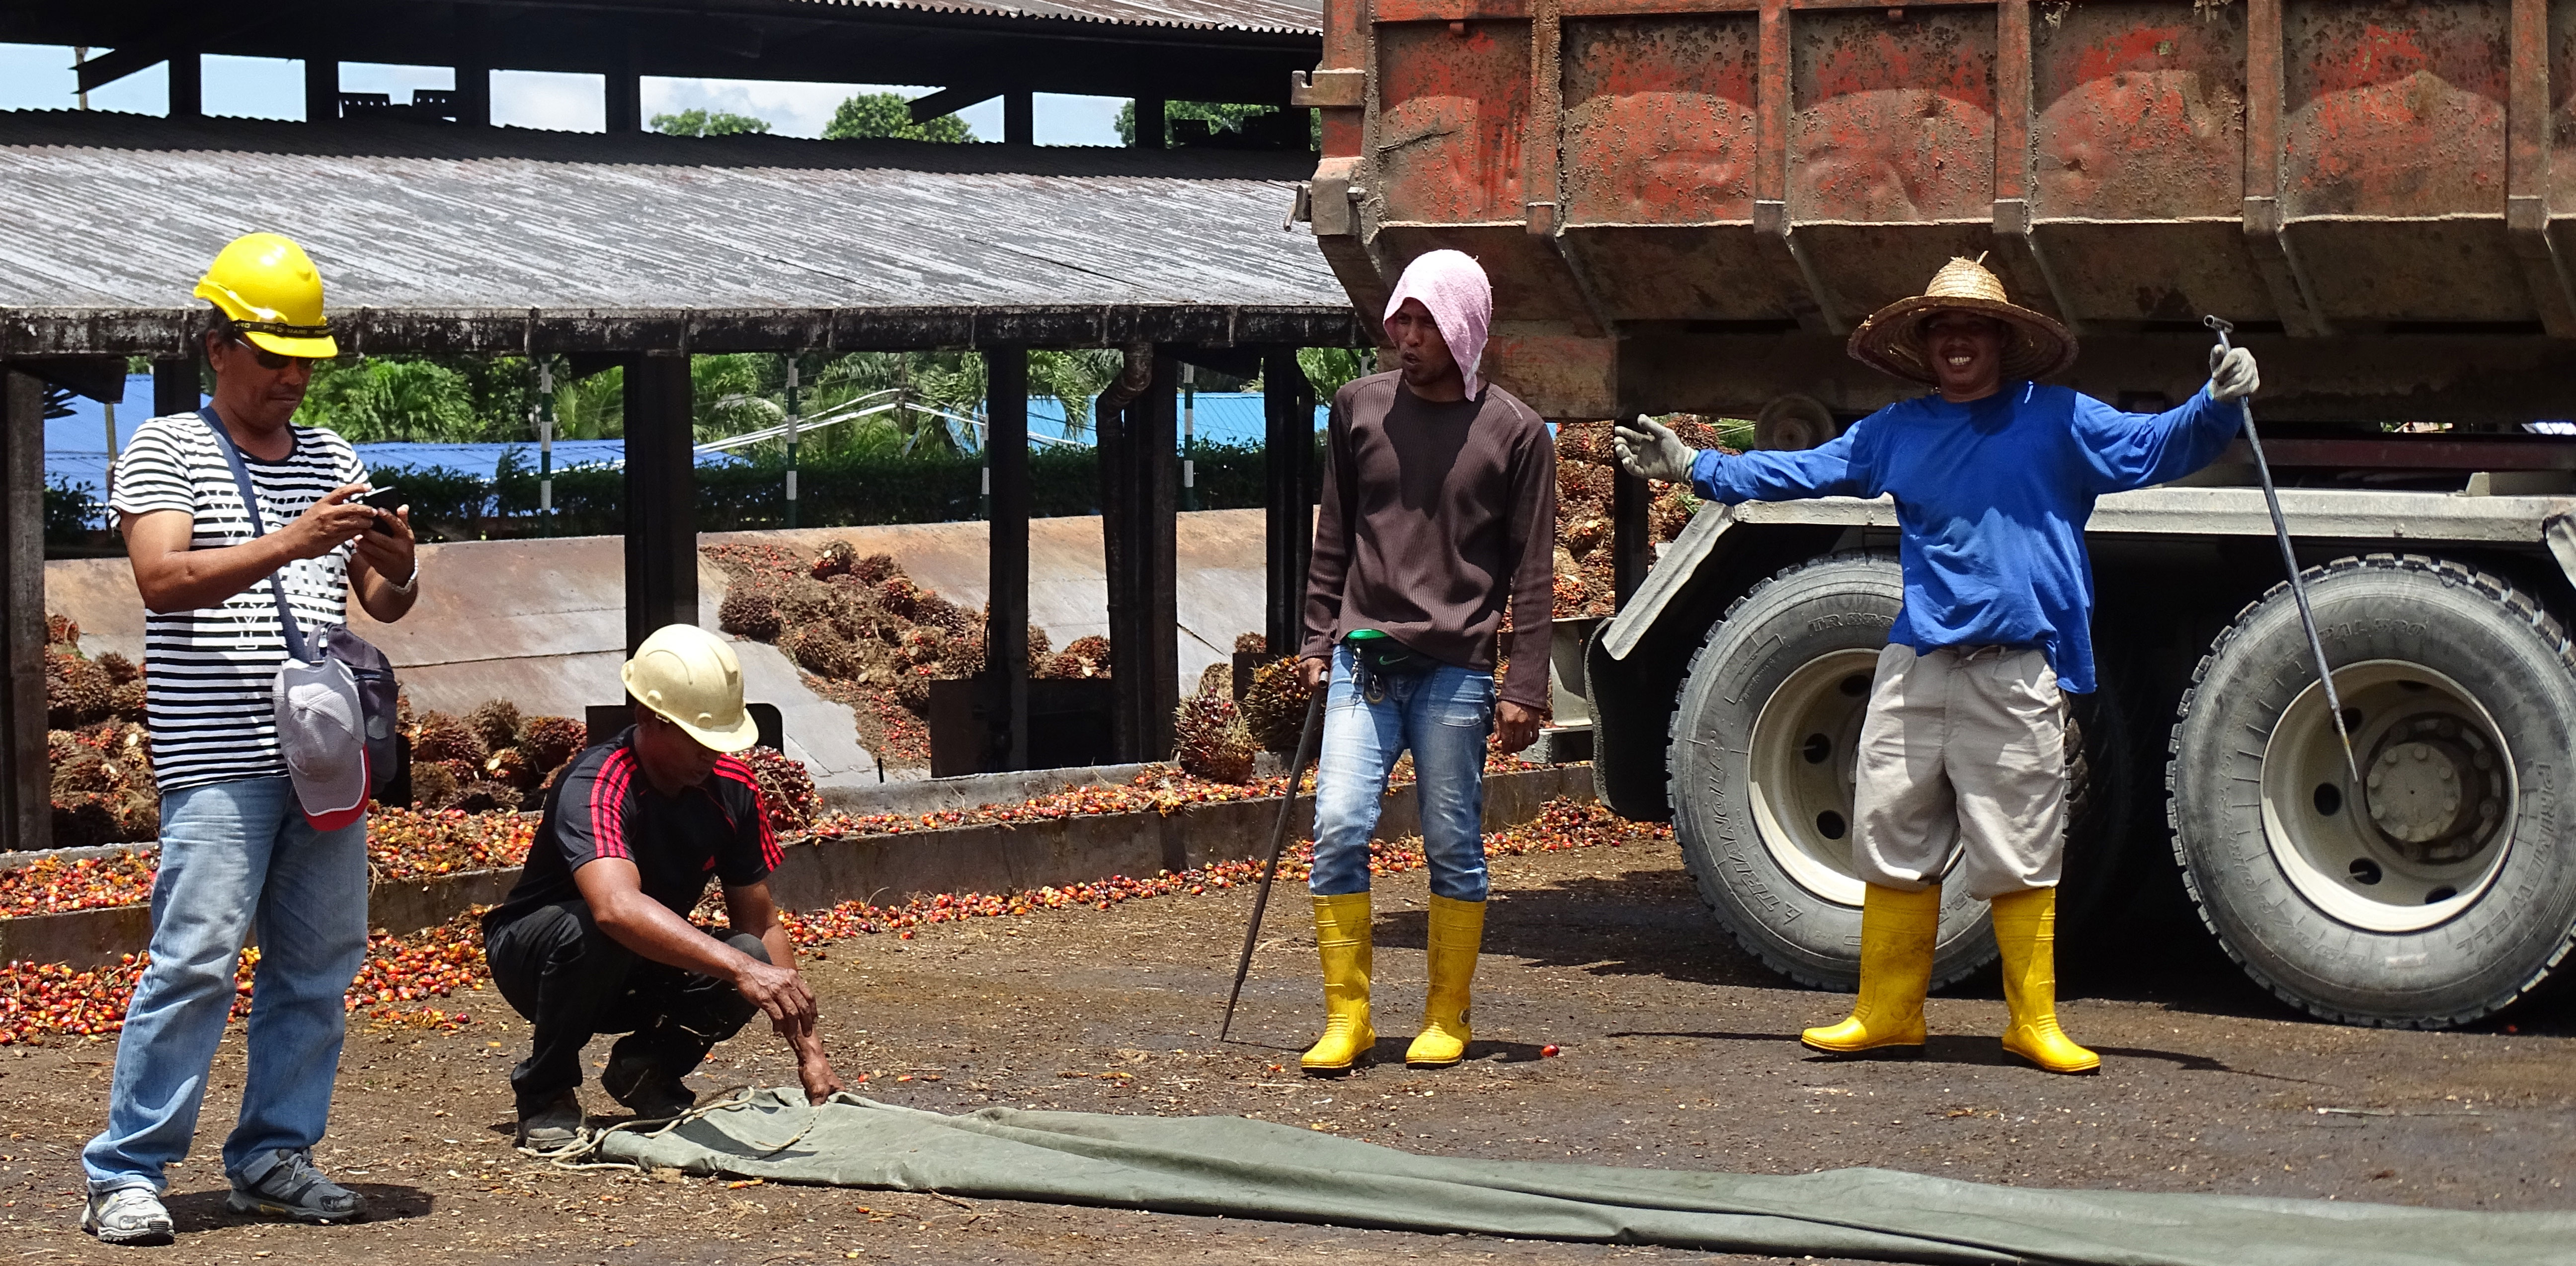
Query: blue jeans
{"points": [[232, 853], [1444, 716]]}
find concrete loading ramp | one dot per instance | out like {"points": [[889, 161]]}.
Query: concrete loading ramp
{"points": [[543, 622]]}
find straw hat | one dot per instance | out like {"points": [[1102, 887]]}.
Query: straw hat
{"points": [[1892, 338]]}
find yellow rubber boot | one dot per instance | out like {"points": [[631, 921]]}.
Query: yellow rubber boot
{"points": [[1897, 931], [1342, 941], [1457, 934], [2026, 931]]}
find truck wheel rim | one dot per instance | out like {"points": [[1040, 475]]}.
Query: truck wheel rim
{"points": [[2439, 806], [1804, 751]]}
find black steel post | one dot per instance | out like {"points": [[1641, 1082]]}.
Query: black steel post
{"points": [[1019, 118], [174, 385], [625, 90], [321, 89], [1288, 448], [1155, 432], [1632, 546], [1150, 128], [473, 67], [1006, 454], [26, 799], [661, 496], [187, 86], [1139, 478]]}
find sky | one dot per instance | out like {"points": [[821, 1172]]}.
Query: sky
{"points": [[39, 77]]}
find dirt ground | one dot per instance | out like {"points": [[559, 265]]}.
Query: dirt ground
{"points": [[1677, 1051]]}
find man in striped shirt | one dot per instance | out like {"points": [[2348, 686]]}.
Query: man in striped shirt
{"points": [[235, 845], [596, 938]]}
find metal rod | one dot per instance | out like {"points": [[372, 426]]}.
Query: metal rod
{"points": [[2290, 561], [1306, 740], [792, 420]]}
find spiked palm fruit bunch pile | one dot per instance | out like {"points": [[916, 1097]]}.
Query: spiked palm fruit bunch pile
{"points": [[102, 787], [867, 635], [1586, 471], [1210, 741], [1274, 705]]}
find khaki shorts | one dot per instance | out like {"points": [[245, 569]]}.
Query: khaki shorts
{"points": [[1964, 749]]}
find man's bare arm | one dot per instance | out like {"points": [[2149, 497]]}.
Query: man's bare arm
{"points": [[614, 890], [750, 909], [173, 577]]}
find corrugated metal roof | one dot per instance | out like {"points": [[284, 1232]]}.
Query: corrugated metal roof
{"points": [[123, 212], [1295, 16]]}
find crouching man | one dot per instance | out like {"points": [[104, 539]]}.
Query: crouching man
{"points": [[596, 937]]}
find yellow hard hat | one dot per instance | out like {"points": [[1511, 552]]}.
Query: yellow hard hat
{"points": [[690, 677], [272, 292]]}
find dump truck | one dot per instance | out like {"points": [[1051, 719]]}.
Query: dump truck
{"points": [[1685, 207]]}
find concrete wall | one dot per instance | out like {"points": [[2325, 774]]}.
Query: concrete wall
{"points": [[543, 622]]}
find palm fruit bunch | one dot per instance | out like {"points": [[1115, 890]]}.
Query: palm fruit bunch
{"points": [[1210, 741], [550, 741], [786, 789], [965, 657], [1274, 705], [433, 784], [61, 630], [874, 568], [822, 652], [496, 722], [936, 612], [441, 737], [1217, 679], [835, 560], [921, 645], [912, 689], [749, 612], [1085, 656], [1672, 511], [1251, 644], [511, 766], [77, 692], [483, 795], [897, 596]]}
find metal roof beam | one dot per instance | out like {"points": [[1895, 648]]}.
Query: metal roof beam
{"points": [[948, 101], [171, 41], [44, 333]]}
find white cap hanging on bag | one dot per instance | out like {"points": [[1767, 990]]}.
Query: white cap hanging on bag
{"points": [[322, 728]]}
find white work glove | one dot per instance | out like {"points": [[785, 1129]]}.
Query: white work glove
{"points": [[1649, 450], [2232, 376]]}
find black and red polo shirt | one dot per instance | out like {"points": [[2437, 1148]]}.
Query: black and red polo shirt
{"points": [[603, 806]]}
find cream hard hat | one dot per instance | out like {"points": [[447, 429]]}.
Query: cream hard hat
{"points": [[689, 677], [270, 290]]}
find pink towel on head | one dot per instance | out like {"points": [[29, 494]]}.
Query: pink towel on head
{"points": [[1452, 286]]}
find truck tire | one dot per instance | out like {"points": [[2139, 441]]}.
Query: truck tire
{"points": [[2449, 891], [1762, 745]]}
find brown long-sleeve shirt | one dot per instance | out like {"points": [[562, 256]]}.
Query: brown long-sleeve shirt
{"points": [[1434, 516]]}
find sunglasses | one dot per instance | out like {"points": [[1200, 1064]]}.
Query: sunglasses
{"points": [[269, 360]]}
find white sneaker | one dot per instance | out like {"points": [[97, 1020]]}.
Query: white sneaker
{"points": [[127, 1215]]}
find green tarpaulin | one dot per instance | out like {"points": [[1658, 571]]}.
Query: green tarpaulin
{"points": [[1254, 1169]]}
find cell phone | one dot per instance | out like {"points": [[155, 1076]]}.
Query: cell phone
{"points": [[387, 499]]}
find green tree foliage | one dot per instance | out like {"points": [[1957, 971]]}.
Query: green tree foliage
{"points": [[888, 115], [1224, 116], [1328, 368], [708, 123]]}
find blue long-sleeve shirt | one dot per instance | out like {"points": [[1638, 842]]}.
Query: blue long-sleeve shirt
{"points": [[1991, 499]]}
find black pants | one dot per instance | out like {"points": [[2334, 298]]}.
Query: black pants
{"points": [[573, 981]]}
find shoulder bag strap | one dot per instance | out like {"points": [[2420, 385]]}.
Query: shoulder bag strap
{"points": [[295, 644]]}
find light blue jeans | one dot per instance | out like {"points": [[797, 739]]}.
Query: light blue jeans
{"points": [[1444, 716], [233, 853]]}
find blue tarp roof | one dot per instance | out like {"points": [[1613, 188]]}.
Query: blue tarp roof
{"points": [[76, 445]]}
